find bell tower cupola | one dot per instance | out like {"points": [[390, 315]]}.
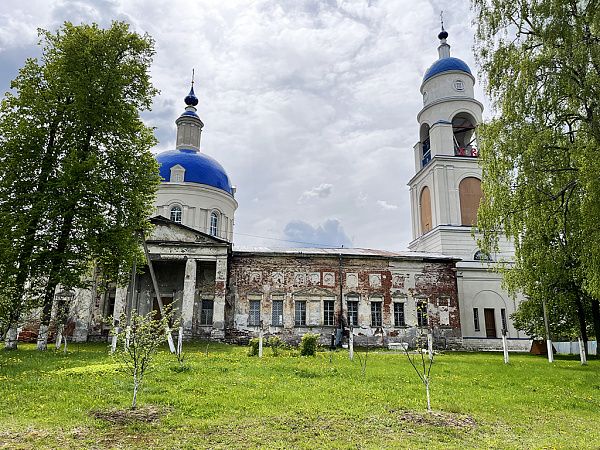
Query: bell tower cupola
{"points": [[446, 187]]}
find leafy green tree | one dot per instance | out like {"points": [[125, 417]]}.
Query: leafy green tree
{"points": [[76, 173], [137, 345], [539, 154]]}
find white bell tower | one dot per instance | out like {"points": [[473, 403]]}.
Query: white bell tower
{"points": [[445, 193], [446, 189]]}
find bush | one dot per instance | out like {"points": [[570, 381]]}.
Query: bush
{"points": [[308, 346], [275, 343], [254, 344]]}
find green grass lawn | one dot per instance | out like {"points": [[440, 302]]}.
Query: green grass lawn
{"points": [[230, 400]]}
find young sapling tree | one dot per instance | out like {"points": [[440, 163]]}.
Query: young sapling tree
{"points": [[136, 351], [422, 367]]}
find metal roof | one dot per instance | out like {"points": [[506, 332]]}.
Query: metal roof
{"points": [[364, 252]]}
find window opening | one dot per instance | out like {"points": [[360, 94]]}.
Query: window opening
{"points": [[176, 214], [480, 255], [375, 314], [426, 151], [254, 313], [399, 315], [476, 318], [503, 317], [213, 224], [206, 313], [422, 314], [353, 312], [300, 313], [277, 314], [328, 313]]}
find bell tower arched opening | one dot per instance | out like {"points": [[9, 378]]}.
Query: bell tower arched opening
{"points": [[463, 131]]}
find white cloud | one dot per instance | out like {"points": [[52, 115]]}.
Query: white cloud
{"points": [[324, 190], [329, 234], [384, 205]]}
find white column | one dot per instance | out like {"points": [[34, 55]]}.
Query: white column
{"points": [[189, 294], [120, 303], [220, 291]]}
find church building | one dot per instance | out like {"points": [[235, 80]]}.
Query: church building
{"points": [[442, 285]]}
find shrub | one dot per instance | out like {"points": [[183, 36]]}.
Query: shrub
{"points": [[275, 343], [308, 346], [254, 344]]}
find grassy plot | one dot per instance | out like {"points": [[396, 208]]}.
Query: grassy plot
{"points": [[230, 400]]}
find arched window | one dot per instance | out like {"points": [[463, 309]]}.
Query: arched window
{"points": [[214, 223], [176, 214], [425, 210], [480, 255], [470, 194]]}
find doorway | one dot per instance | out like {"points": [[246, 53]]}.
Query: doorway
{"points": [[490, 323]]}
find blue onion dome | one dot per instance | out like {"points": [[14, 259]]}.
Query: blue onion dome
{"points": [[445, 62], [199, 168], [191, 99], [443, 34]]}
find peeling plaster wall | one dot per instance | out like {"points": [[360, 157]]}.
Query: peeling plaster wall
{"points": [[316, 279]]}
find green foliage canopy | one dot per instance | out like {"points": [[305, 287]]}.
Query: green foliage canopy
{"points": [[76, 173], [539, 153]]}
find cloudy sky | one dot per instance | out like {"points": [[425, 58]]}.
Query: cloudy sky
{"points": [[310, 105]]}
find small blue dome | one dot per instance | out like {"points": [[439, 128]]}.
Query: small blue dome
{"points": [[444, 65], [199, 168]]}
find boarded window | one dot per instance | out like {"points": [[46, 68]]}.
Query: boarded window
{"points": [[425, 210], [470, 194]]}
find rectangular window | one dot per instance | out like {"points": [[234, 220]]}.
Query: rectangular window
{"points": [[375, 314], [503, 317], [206, 313], [254, 315], [399, 314], [353, 313], [422, 314], [277, 316], [300, 313], [328, 313], [476, 318]]}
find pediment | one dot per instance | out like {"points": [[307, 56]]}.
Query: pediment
{"points": [[166, 230]]}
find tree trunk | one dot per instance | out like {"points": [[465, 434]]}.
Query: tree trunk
{"points": [[582, 326], [11, 339], [596, 318]]}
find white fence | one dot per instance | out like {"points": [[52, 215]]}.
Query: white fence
{"points": [[572, 348]]}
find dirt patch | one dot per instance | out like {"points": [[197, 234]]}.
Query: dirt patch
{"points": [[146, 413], [437, 419]]}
